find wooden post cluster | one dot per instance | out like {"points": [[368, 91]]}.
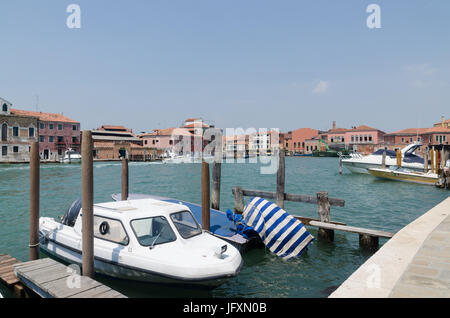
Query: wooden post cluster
{"points": [[205, 197], [87, 204], [216, 178], [124, 179], [34, 201], [281, 176]]}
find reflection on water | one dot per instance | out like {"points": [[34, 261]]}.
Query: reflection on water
{"points": [[369, 202]]}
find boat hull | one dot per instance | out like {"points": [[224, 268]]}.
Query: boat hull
{"points": [[404, 176], [70, 255]]}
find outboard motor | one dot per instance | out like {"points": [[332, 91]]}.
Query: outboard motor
{"points": [[71, 214]]}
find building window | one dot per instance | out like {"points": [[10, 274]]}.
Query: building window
{"points": [[60, 139], [437, 138], [41, 126], [31, 132], [16, 131], [153, 142], [365, 137], [4, 132], [74, 140], [16, 149], [41, 138], [4, 150], [170, 142], [403, 139], [5, 108], [353, 138], [74, 127], [50, 126], [51, 138], [60, 127]]}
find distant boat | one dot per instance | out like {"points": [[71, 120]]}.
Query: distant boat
{"points": [[71, 156], [303, 154], [357, 163], [405, 175]]}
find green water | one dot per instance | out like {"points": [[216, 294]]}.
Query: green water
{"points": [[369, 202]]}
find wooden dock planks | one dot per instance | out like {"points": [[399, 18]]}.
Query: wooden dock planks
{"points": [[7, 275], [51, 279]]}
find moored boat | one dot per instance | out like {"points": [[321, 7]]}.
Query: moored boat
{"points": [[356, 163], [144, 240], [405, 175], [71, 156]]}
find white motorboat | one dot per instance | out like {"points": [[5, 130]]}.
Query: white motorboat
{"points": [[357, 163], [144, 240], [71, 156]]}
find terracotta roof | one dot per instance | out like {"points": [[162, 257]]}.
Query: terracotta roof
{"points": [[167, 132], [114, 127], [437, 130], [43, 116], [196, 125], [408, 131], [192, 119], [358, 128]]}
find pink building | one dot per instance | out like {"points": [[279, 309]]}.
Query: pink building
{"points": [[164, 139], [57, 133]]}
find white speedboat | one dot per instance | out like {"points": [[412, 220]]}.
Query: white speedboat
{"points": [[144, 240], [71, 156], [357, 163]]}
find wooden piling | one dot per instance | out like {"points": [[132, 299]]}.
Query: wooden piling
{"points": [[383, 159], [124, 179], [324, 215], [206, 213], [87, 204], [34, 201], [432, 159], [340, 164], [216, 178], [399, 158], [425, 160], [238, 200], [436, 161], [281, 175]]}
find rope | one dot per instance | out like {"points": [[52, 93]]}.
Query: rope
{"points": [[34, 245]]}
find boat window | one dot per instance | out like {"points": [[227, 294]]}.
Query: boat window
{"points": [[110, 230], [186, 224], [153, 231]]}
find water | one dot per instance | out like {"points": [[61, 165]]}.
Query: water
{"points": [[369, 202]]}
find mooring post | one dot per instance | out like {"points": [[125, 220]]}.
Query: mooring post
{"points": [[436, 161], [281, 175], [399, 158], [87, 204], [216, 178], [442, 159], [34, 201], [205, 197], [432, 159], [383, 159], [425, 160], [124, 179], [238, 200], [324, 215], [340, 164]]}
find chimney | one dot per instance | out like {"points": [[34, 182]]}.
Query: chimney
{"points": [[443, 121], [334, 124]]}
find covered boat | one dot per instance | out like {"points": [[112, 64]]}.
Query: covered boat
{"points": [[405, 175], [144, 240]]}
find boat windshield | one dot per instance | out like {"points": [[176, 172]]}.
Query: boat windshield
{"points": [[153, 231], [185, 223]]}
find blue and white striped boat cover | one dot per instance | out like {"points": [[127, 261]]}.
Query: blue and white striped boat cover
{"points": [[283, 234]]}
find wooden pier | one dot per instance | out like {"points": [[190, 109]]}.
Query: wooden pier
{"points": [[367, 237], [48, 278]]}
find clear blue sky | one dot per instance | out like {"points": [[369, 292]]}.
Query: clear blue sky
{"points": [[254, 63]]}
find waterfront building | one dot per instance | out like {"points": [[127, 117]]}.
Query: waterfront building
{"points": [[165, 139], [444, 123], [17, 134], [115, 142], [57, 133], [236, 146], [298, 139], [264, 143]]}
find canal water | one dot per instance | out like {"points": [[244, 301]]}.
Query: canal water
{"points": [[369, 202]]}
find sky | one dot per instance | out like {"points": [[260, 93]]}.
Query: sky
{"points": [[284, 64]]}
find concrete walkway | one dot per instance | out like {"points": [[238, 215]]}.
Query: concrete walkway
{"points": [[414, 263]]}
